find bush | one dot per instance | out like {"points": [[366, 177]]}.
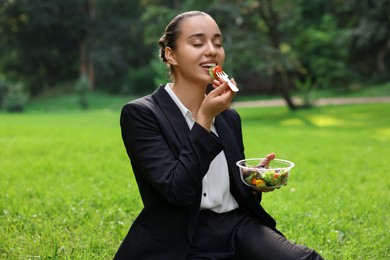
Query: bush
{"points": [[82, 87], [306, 90], [15, 97], [140, 80], [3, 90]]}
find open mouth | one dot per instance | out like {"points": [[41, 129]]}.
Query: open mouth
{"points": [[208, 65]]}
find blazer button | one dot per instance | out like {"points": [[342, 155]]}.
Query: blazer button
{"points": [[204, 194]]}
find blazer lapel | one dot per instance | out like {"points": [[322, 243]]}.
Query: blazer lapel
{"points": [[172, 113]]}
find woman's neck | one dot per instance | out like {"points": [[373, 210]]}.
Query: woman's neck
{"points": [[191, 95]]}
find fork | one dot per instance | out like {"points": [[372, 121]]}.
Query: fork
{"points": [[225, 76]]}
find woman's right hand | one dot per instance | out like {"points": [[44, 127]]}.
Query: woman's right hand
{"points": [[217, 101]]}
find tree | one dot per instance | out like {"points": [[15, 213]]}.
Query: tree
{"points": [[265, 42], [120, 54], [281, 51], [38, 38], [368, 36], [271, 46], [320, 47]]}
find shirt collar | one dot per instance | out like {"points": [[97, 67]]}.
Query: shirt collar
{"points": [[185, 111]]}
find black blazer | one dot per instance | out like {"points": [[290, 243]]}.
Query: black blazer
{"points": [[169, 161]]}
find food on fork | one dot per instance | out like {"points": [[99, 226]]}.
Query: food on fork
{"points": [[217, 73], [213, 71]]}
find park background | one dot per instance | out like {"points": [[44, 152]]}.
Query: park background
{"points": [[67, 68]]}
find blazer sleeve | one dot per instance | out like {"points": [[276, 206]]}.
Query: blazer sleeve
{"points": [[151, 145]]}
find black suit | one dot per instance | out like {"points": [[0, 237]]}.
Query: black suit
{"points": [[169, 161]]}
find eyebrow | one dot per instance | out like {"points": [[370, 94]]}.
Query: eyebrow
{"points": [[216, 35]]}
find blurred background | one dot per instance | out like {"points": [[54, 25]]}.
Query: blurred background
{"points": [[102, 48]]}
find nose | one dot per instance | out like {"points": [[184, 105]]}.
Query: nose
{"points": [[211, 50]]}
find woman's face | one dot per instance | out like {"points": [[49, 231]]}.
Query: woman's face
{"points": [[198, 48]]}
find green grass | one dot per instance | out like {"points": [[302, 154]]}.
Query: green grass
{"points": [[63, 99], [337, 199], [67, 102], [67, 190]]}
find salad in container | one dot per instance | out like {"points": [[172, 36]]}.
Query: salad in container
{"points": [[256, 175]]}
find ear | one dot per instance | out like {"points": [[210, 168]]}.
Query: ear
{"points": [[170, 55]]}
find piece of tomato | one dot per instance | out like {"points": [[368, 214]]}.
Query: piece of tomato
{"points": [[214, 71]]}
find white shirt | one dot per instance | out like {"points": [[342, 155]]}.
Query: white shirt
{"points": [[216, 194]]}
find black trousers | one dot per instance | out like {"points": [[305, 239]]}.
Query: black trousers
{"points": [[237, 236]]}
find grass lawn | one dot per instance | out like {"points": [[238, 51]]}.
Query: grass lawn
{"points": [[67, 190]]}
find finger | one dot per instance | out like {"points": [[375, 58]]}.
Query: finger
{"points": [[265, 162], [219, 90], [216, 83]]}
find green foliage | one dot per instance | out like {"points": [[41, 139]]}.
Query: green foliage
{"points": [[161, 72], [14, 97], [140, 80], [155, 18], [3, 90], [333, 43], [306, 90], [368, 37], [68, 191], [119, 47], [82, 87], [39, 41], [323, 55]]}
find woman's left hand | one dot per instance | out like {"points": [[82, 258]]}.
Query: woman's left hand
{"points": [[265, 164]]}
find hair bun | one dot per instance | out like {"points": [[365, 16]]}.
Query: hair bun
{"points": [[162, 45], [162, 42]]}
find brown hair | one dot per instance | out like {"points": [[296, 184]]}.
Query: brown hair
{"points": [[172, 32]]}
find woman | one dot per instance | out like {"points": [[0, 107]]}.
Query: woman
{"points": [[183, 146]]}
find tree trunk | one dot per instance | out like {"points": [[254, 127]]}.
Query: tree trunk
{"points": [[86, 63], [280, 83], [83, 56], [381, 57], [279, 76]]}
